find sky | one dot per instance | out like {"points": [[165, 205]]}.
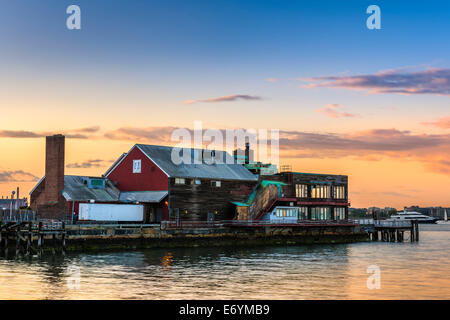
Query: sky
{"points": [[370, 104]]}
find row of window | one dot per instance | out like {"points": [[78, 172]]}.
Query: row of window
{"points": [[214, 183], [319, 191], [317, 213]]}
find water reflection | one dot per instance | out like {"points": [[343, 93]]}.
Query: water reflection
{"points": [[300, 272]]}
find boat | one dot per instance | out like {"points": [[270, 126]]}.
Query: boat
{"points": [[413, 215]]}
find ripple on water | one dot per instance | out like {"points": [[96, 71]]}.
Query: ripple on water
{"points": [[408, 271]]}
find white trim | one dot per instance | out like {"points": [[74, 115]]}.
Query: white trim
{"points": [[114, 166], [152, 160], [37, 184]]}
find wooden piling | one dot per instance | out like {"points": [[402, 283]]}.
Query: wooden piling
{"points": [[40, 238], [417, 230], [63, 238], [29, 237], [54, 243], [18, 238]]}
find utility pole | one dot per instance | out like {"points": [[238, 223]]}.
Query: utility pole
{"points": [[11, 207], [17, 202]]}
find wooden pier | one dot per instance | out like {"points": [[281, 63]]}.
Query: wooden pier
{"points": [[393, 231], [30, 237]]}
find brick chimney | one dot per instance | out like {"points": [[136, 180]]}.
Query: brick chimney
{"points": [[54, 168]]}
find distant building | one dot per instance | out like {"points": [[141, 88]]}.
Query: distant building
{"points": [[5, 203], [381, 213]]}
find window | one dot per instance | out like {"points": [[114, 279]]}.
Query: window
{"points": [[339, 213], [303, 213], [197, 182], [137, 166], [301, 190], [180, 181], [286, 212], [320, 191], [339, 192], [216, 184], [320, 213]]}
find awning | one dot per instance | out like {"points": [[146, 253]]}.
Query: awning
{"points": [[240, 204], [143, 196]]}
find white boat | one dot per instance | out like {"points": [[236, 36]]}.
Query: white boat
{"points": [[413, 215]]}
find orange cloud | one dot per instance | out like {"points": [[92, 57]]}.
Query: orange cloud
{"points": [[332, 111], [443, 123], [17, 176]]}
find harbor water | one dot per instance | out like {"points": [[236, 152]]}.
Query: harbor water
{"points": [[417, 270]]}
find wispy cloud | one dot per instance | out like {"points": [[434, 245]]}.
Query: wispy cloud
{"points": [[19, 134], [82, 133], [17, 176], [149, 134], [233, 97], [88, 129], [430, 81], [334, 111], [96, 163], [443, 123]]}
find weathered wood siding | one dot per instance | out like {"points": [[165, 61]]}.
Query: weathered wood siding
{"points": [[199, 200]]}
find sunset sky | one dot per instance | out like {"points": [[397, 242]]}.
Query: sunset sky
{"points": [[370, 104]]}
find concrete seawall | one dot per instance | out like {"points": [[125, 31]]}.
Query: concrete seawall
{"points": [[110, 237]]}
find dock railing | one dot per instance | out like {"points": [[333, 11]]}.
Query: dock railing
{"points": [[6, 215], [253, 223], [393, 223]]}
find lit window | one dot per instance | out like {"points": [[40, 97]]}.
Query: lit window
{"points": [[180, 181], [301, 190], [136, 166], [320, 191], [216, 184], [339, 192]]}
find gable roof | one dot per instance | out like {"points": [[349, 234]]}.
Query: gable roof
{"points": [[162, 157]]}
